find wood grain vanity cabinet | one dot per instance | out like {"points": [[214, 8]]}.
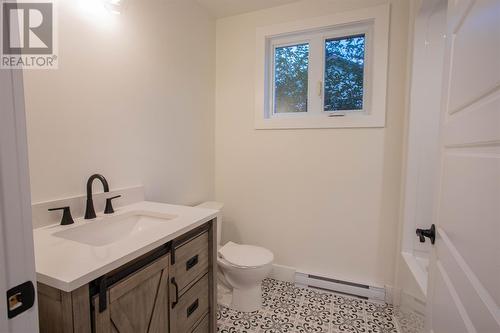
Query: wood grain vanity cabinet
{"points": [[170, 289], [138, 303]]}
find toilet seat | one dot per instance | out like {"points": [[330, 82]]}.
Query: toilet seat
{"points": [[245, 256]]}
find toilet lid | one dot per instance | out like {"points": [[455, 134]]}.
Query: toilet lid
{"points": [[246, 255]]}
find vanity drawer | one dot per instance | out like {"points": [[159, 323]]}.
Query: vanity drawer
{"points": [[191, 261], [192, 306]]}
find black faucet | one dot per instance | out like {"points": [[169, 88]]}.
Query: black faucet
{"points": [[90, 211]]}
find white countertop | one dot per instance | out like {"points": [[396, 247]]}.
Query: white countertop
{"points": [[67, 265]]}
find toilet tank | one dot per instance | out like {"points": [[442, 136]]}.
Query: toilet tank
{"points": [[217, 206]]}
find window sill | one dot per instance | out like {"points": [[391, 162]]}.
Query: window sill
{"points": [[297, 122]]}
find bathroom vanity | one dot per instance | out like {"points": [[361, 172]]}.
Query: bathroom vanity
{"points": [[147, 268]]}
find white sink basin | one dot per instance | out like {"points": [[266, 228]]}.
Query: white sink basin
{"points": [[107, 230]]}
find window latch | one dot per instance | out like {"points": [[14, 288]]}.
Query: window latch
{"points": [[320, 88]]}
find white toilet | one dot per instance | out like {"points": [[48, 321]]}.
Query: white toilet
{"points": [[241, 269]]}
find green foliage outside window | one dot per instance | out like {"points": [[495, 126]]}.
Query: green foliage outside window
{"points": [[343, 82], [291, 65], [344, 73]]}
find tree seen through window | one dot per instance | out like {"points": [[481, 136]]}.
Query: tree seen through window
{"points": [[344, 73], [291, 65]]}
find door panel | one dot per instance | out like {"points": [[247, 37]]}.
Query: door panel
{"points": [[457, 10], [470, 212], [475, 68], [465, 266], [469, 289], [446, 315], [480, 123]]}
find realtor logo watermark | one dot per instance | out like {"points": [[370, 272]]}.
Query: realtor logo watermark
{"points": [[28, 33]]}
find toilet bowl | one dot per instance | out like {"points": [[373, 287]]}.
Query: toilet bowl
{"points": [[241, 269], [244, 267]]}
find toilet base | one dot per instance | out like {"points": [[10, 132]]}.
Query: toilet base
{"points": [[224, 295], [247, 300]]}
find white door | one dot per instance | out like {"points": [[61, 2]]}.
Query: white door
{"points": [[17, 261], [464, 282]]}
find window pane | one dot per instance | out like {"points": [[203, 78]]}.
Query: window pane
{"points": [[344, 71], [291, 65]]}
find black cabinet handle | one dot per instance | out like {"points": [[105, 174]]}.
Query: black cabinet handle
{"points": [[192, 308], [191, 262], [431, 233], [176, 292]]}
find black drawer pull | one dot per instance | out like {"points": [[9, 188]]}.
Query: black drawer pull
{"points": [[192, 308], [191, 262]]}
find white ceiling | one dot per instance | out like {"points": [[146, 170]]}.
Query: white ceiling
{"points": [[223, 8]]}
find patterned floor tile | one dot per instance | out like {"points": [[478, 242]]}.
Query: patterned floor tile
{"points": [[409, 321], [289, 309], [274, 323], [283, 305]]}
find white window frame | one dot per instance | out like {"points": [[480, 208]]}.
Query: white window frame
{"points": [[373, 22]]}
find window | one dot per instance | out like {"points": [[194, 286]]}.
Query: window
{"points": [[315, 75], [344, 73], [291, 70], [339, 87]]}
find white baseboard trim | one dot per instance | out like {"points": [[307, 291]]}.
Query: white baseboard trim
{"points": [[392, 295], [283, 273], [345, 287], [412, 303]]}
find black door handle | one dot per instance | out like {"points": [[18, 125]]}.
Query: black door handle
{"points": [[430, 233]]}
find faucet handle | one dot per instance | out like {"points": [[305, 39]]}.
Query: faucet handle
{"points": [[66, 218], [109, 206]]}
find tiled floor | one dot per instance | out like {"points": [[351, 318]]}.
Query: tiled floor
{"points": [[288, 308], [409, 321]]}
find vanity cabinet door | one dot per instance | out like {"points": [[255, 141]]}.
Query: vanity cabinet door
{"points": [[138, 303]]}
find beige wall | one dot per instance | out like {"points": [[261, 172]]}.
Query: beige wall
{"points": [[133, 99], [325, 201]]}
